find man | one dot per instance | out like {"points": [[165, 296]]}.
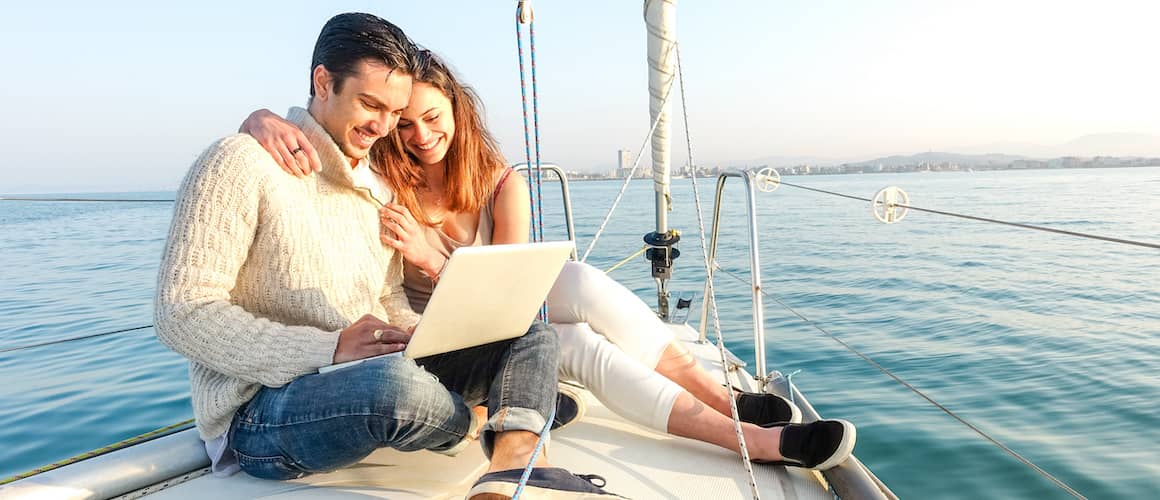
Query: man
{"points": [[265, 278]]}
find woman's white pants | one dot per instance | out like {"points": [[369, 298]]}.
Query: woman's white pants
{"points": [[611, 341]]}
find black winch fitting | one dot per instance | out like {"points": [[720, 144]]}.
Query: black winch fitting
{"points": [[662, 252]]}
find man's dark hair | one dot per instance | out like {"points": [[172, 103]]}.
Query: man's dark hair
{"points": [[348, 39]]}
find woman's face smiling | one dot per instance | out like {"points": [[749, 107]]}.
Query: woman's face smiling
{"points": [[427, 126]]}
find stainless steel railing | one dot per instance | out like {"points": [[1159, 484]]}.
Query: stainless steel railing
{"points": [[748, 178], [564, 194]]}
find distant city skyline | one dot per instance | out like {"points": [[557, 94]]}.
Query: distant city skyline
{"points": [[123, 96], [919, 162]]}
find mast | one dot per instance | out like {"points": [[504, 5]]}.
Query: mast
{"points": [[660, 18]]}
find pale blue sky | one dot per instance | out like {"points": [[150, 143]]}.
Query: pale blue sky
{"points": [[106, 96]]}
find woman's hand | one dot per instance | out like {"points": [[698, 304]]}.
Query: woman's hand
{"points": [[405, 234], [285, 142]]}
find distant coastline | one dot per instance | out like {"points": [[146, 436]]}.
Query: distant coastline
{"points": [[925, 162]]}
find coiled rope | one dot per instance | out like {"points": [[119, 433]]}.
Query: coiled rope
{"points": [[913, 389], [712, 294]]}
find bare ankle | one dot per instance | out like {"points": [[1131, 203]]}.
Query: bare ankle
{"points": [[767, 444], [513, 450]]}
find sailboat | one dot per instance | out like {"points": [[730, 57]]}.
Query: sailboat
{"points": [[636, 462]]}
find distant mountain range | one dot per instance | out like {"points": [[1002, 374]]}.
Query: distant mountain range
{"points": [[1117, 144], [1114, 144], [937, 158]]}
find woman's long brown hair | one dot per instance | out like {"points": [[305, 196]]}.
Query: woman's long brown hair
{"points": [[473, 158]]}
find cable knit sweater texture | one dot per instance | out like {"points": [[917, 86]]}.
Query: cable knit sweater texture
{"points": [[262, 270]]}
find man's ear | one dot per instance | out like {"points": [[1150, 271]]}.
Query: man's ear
{"points": [[322, 80]]}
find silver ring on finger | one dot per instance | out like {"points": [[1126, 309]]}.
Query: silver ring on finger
{"points": [[295, 151], [378, 334]]}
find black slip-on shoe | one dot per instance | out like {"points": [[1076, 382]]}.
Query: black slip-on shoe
{"points": [[766, 409], [570, 406], [819, 445], [550, 483]]}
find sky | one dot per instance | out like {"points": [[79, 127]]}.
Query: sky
{"points": [[124, 95]]}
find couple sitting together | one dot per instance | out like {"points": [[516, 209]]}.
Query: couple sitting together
{"points": [[314, 240]]}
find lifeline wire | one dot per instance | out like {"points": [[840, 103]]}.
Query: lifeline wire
{"points": [[61, 341], [913, 389], [984, 219], [712, 294], [4, 198]]}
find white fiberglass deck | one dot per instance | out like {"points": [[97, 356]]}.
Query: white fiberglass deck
{"points": [[636, 462]]}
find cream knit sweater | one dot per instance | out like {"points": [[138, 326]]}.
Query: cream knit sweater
{"points": [[263, 269]]}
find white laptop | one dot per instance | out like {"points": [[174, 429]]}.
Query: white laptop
{"points": [[485, 294]]}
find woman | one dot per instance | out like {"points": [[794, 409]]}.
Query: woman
{"points": [[454, 189]]}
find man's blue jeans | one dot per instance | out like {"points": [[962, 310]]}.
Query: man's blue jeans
{"points": [[322, 422]]}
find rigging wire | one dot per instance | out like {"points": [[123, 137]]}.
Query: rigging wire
{"points": [[709, 282], [70, 339], [913, 389], [985, 219], [1033, 227], [628, 178]]}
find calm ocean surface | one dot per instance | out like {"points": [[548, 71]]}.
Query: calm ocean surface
{"points": [[1049, 343]]}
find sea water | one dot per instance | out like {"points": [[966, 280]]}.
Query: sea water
{"points": [[1050, 344]]}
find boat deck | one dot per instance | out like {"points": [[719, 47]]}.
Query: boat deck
{"points": [[636, 462]]}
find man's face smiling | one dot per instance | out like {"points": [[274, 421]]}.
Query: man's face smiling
{"points": [[366, 107]]}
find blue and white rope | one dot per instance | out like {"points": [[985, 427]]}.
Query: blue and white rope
{"points": [[535, 192], [712, 293], [535, 453], [536, 195]]}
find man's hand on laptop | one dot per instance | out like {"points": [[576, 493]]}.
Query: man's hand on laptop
{"points": [[369, 336]]}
